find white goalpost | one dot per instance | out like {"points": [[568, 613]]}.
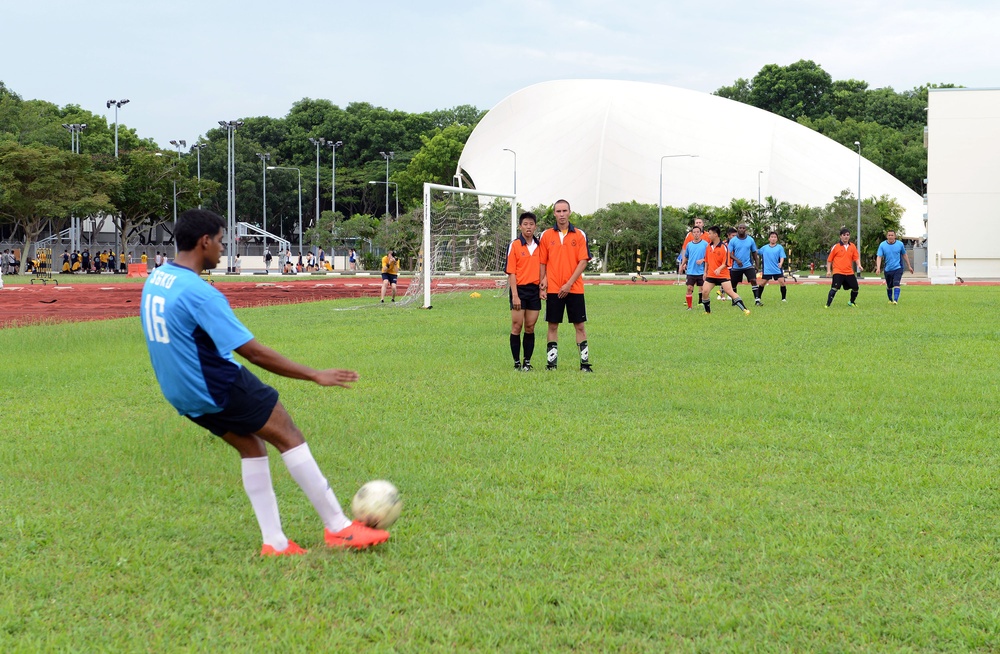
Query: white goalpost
{"points": [[463, 235]]}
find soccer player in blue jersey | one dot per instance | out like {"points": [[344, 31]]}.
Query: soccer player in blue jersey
{"points": [[693, 264], [892, 251], [191, 333], [772, 258], [743, 250]]}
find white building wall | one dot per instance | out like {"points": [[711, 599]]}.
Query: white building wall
{"points": [[963, 180]]}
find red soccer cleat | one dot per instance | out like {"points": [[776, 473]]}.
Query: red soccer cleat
{"points": [[356, 536], [291, 550]]}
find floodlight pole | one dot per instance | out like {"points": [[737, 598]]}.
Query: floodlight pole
{"points": [[118, 105], [198, 147], [75, 131], [395, 190], [177, 144], [857, 239], [759, 173], [231, 126], [659, 242], [317, 142], [387, 156], [299, 171], [264, 158]]}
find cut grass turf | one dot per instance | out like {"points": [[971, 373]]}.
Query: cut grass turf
{"points": [[799, 479]]}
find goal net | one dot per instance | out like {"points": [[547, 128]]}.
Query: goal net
{"points": [[464, 246]]}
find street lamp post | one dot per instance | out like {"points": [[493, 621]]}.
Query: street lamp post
{"points": [[231, 126], [515, 167], [198, 147], [857, 239], [264, 158], [659, 242], [177, 144], [118, 105], [387, 156], [395, 190], [300, 196]]}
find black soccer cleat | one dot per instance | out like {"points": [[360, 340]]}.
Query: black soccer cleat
{"points": [[585, 367], [526, 367], [517, 365]]}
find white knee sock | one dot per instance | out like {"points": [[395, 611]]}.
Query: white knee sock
{"points": [[302, 466], [257, 483]]}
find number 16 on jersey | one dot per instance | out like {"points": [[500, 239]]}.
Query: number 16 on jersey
{"points": [[156, 324]]}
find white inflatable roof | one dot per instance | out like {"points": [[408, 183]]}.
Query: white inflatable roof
{"points": [[596, 142]]}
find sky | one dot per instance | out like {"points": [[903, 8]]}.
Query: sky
{"points": [[187, 64]]}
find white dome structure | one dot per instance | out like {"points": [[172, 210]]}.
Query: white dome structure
{"points": [[597, 142]]}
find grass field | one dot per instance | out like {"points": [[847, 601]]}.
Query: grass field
{"points": [[799, 479]]}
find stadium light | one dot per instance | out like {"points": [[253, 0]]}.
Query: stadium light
{"points": [[300, 196], [388, 156], [857, 238], [515, 167], [75, 129], [759, 173], [333, 145], [230, 126], [396, 190], [198, 147], [177, 144], [659, 246], [317, 142], [118, 105], [264, 158]]}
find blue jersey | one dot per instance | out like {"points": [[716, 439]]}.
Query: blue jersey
{"points": [[891, 255], [694, 252], [191, 333], [771, 255], [742, 248]]}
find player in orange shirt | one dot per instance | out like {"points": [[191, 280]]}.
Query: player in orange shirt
{"points": [[564, 256], [843, 255], [717, 264], [523, 277]]}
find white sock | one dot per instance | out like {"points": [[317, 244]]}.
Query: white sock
{"points": [[257, 483], [302, 466]]}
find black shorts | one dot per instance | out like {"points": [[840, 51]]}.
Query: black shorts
{"points": [[847, 281], [529, 296], [718, 281], [389, 277], [249, 407], [774, 277], [695, 280], [736, 275], [576, 308], [893, 277]]}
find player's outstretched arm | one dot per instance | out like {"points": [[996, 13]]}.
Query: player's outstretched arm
{"points": [[272, 361]]}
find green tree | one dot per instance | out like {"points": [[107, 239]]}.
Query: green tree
{"points": [[42, 184], [435, 162], [792, 91]]}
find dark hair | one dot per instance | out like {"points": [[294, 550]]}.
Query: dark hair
{"points": [[566, 202], [731, 230], [698, 228], [844, 231], [527, 215], [769, 234], [195, 223], [715, 229]]}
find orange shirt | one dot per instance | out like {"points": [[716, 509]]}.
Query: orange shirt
{"points": [[690, 237], [716, 257], [560, 254], [523, 261], [842, 258]]}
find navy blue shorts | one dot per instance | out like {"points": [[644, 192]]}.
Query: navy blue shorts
{"points": [[773, 277], [529, 296], [248, 409], [389, 278], [736, 275], [893, 277], [573, 304]]}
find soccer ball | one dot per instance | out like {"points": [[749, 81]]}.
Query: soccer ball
{"points": [[377, 504]]}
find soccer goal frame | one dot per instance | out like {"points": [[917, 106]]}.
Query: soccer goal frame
{"points": [[426, 248]]}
